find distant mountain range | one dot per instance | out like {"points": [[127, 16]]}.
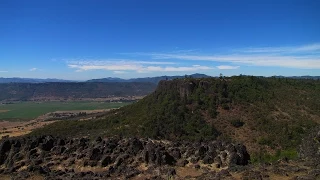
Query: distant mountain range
{"points": [[72, 90], [299, 77], [30, 80], [154, 80]]}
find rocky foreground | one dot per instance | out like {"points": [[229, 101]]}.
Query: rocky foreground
{"points": [[50, 157], [53, 157]]}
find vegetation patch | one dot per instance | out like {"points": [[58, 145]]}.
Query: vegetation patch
{"points": [[237, 123], [263, 156]]}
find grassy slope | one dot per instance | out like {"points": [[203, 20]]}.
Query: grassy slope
{"points": [[29, 110], [266, 114]]}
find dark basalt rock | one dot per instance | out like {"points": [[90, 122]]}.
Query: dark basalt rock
{"points": [[106, 161], [5, 147], [121, 157], [309, 148], [95, 154], [47, 144], [207, 159]]}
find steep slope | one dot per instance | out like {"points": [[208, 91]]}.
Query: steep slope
{"points": [[266, 114]]}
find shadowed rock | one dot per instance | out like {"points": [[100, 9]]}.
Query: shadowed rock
{"points": [[122, 157]]}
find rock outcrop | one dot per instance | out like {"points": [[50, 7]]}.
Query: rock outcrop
{"points": [[185, 88], [310, 147], [55, 157]]}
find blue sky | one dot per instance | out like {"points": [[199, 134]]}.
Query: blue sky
{"points": [[85, 39]]}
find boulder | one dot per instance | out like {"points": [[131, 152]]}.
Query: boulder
{"points": [[5, 147]]}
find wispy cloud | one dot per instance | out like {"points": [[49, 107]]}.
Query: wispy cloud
{"points": [[303, 62], [175, 69], [285, 49], [298, 57], [119, 72], [33, 69], [3, 71], [228, 67], [302, 57], [120, 67], [120, 61]]}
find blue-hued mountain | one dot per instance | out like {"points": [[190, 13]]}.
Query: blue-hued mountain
{"points": [[72, 90], [30, 80], [154, 80], [300, 77]]}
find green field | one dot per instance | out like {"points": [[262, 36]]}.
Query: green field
{"points": [[29, 110]]}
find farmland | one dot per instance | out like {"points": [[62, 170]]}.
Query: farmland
{"points": [[23, 111]]}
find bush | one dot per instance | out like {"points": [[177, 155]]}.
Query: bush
{"points": [[264, 141], [225, 106], [237, 123], [265, 157]]}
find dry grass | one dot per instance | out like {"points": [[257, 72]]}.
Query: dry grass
{"points": [[245, 134], [14, 129], [4, 110], [5, 177], [36, 177], [183, 172]]}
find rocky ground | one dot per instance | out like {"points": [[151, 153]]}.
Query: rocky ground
{"points": [[53, 157], [50, 157]]}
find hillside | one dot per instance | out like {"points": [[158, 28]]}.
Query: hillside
{"points": [[72, 90], [268, 115]]}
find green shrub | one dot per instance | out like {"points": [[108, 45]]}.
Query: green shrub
{"points": [[265, 141], [263, 157], [237, 123]]}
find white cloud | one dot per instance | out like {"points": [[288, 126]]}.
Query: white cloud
{"points": [[119, 61], [227, 67], [120, 67], [301, 57], [119, 72], [111, 67], [176, 69], [33, 69], [298, 61], [3, 71]]}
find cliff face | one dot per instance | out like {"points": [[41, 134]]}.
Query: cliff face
{"points": [[185, 87]]}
